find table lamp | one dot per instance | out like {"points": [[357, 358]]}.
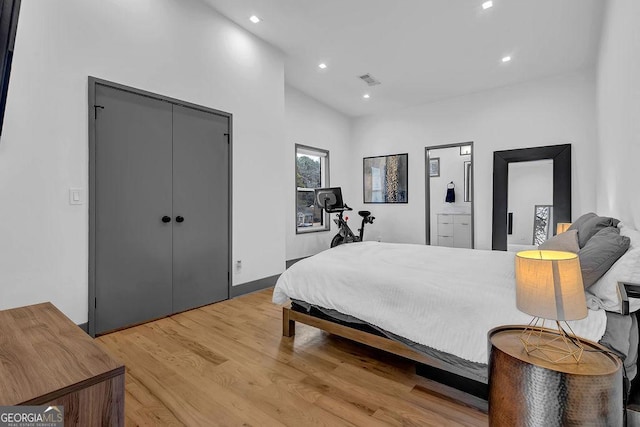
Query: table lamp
{"points": [[562, 227], [549, 287]]}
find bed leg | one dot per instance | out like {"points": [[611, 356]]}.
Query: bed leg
{"points": [[288, 325]]}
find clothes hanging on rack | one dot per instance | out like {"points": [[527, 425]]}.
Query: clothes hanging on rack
{"points": [[451, 193]]}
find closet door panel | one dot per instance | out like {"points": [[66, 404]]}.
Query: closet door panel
{"points": [[133, 192], [201, 208]]}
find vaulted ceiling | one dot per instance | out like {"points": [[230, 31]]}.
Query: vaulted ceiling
{"points": [[420, 50]]}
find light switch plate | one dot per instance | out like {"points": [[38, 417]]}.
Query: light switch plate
{"points": [[76, 196]]}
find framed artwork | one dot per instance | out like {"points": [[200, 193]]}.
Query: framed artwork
{"points": [[468, 176], [385, 179], [542, 218], [465, 150], [434, 167]]}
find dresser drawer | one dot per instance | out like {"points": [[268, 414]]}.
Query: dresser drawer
{"points": [[462, 236], [462, 219], [463, 229], [445, 241], [445, 218], [445, 229]]}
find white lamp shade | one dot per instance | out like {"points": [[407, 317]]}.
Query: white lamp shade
{"points": [[549, 285], [562, 227]]}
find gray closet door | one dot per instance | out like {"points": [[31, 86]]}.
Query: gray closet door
{"points": [[133, 246], [201, 208]]}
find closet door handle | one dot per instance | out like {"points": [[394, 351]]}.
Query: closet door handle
{"points": [[166, 219], [179, 219]]}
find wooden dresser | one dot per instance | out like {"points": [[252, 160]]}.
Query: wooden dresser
{"points": [[45, 359]]}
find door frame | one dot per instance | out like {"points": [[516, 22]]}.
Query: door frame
{"points": [[427, 189], [93, 82]]}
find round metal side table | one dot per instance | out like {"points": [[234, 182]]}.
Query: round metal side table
{"points": [[528, 391]]}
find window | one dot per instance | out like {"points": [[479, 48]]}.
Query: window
{"points": [[312, 171]]}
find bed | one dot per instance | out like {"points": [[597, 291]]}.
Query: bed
{"points": [[434, 305]]}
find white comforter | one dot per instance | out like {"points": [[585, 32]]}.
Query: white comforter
{"points": [[444, 298]]}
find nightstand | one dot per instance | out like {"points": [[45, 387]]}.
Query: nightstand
{"points": [[528, 391]]}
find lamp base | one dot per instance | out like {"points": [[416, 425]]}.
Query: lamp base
{"points": [[550, 345]]}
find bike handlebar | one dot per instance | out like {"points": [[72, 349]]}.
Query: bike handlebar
{"points": [[339, 210]]}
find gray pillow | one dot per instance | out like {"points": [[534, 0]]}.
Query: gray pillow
{"points": [[567, 242], [589, 224], [575, 225], [600, 253]]}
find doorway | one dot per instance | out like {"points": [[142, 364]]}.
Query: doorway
{"points": [[449, 219], [159, 206]]}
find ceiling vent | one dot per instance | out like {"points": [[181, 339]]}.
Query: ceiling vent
{"points": [[369, 79]]}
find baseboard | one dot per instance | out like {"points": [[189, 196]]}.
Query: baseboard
{"points": [[256, 285], [290, 262]]}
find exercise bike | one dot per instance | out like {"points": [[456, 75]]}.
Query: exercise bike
{"points": [[330, 199]]}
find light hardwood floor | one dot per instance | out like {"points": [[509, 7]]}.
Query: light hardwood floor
{"points": [[228, 364]]}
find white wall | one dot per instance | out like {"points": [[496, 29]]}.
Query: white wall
{"points": [[178, 48], [309, 122], [619, 113], [545, 112]]}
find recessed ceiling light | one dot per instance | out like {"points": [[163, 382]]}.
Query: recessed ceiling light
{"points": [[486, 5], [254, 19], [366, 96], [506, 59], [322, 66]]}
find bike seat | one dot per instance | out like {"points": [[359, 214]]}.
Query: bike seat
{"points": [[364, 214]]}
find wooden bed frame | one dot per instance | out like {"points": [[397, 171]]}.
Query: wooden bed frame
{"points": [[424, 362], [290, 317]]}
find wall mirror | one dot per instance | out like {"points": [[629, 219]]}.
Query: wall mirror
{"points": [[538, 164], [530, 184], [468, 173], [449, 195]]}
